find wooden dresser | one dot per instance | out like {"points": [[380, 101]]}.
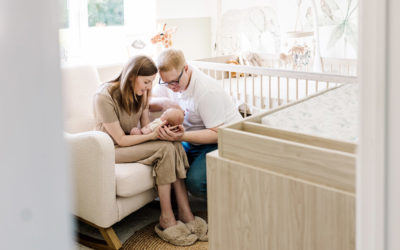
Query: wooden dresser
{"points": [[280, 190]]}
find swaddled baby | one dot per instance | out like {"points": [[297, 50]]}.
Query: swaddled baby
{"points": [[172, 116]]}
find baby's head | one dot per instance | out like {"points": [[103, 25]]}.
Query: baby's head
{"points": [[173, 116]]}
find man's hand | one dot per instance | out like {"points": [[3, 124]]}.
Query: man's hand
{"points": [[171, 133]]}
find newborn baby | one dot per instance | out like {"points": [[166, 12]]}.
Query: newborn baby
{"points": [[172, 116]]}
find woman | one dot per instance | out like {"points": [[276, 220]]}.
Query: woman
{"points": [[119, 105]]}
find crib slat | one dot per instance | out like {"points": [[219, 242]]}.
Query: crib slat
{"points": [[223, 79], [279, 91], [287, 89], [237, 86], [230, 83], [297, 88], [252, 90], [306, 87], [316, 86], [269, 92], [245, 96], [262, 92]]}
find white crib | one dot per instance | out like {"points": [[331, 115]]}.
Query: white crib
{"points": [[256, 89]]}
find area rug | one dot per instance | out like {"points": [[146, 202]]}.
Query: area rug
{"points": [[147, 239]]}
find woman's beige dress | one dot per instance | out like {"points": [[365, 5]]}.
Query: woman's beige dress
{"points": [[168, 158]]}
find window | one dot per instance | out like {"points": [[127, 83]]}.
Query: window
{"points": [[105, 12], [64, 22], [102, 31]]}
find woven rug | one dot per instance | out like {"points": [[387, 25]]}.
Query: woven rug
{"points": [[147, 239]]}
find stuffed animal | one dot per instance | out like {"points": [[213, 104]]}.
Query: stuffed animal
{"points": [[233, 61], [164, 37], [285, 60], [251, 59]]}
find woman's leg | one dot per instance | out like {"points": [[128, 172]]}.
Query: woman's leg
{"points": [[170, 159], [160, 154], [167, 217], [196, 225], [185, 213]]}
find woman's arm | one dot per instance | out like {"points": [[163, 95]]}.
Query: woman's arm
{"points": [[145, 118], [123, 140]]}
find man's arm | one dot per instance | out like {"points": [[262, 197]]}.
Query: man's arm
{"points": [[203, 136]]}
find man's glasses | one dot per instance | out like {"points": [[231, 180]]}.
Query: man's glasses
{"points": [[176, 82]]}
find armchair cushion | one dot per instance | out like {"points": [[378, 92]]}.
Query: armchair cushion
{"points": [[133, 178], [79, 85], [92, 161]]}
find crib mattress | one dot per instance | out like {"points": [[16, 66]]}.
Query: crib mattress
{"points": [[333, 115]]}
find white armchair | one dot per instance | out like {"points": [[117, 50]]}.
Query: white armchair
{"points": [[105, 192]]}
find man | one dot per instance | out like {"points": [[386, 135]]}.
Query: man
{"points": [[206, 107]]}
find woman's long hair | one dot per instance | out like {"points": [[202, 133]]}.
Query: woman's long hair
{"points": [[136, 66]]}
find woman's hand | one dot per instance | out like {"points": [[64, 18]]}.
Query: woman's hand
{"points": [[174, 133], [154, 134]]}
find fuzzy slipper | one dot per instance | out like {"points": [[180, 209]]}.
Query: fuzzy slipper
{"points": [[199, 227], [178, 235]]}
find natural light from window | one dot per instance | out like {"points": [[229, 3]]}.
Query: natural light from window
{"points": [[102, 31]]}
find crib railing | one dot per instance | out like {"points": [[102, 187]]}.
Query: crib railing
{"points": [[342, 66], [339, 66], [256, 89]]}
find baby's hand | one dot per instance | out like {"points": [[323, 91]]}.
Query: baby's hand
{"points": [[146, 131], [136, 131]]}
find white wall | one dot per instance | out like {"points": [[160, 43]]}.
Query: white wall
{"points": [[35, 205], [378, 172], [184, 9], [195, 21], [193, 36], [393, 131], [287, 12], [240, 4]]}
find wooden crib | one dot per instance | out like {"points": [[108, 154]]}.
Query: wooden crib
{"points": [[270, 187], [256, 89]]}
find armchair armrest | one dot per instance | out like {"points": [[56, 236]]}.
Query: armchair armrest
{"points": [[92, 158]]}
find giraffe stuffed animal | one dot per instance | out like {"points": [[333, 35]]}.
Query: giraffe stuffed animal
{"points": [[164, 37]]}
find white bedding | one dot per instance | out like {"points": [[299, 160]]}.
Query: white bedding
{"points": [[332, 115]]}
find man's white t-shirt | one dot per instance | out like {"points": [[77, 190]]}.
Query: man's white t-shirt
{"points": [[206, 104]]}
